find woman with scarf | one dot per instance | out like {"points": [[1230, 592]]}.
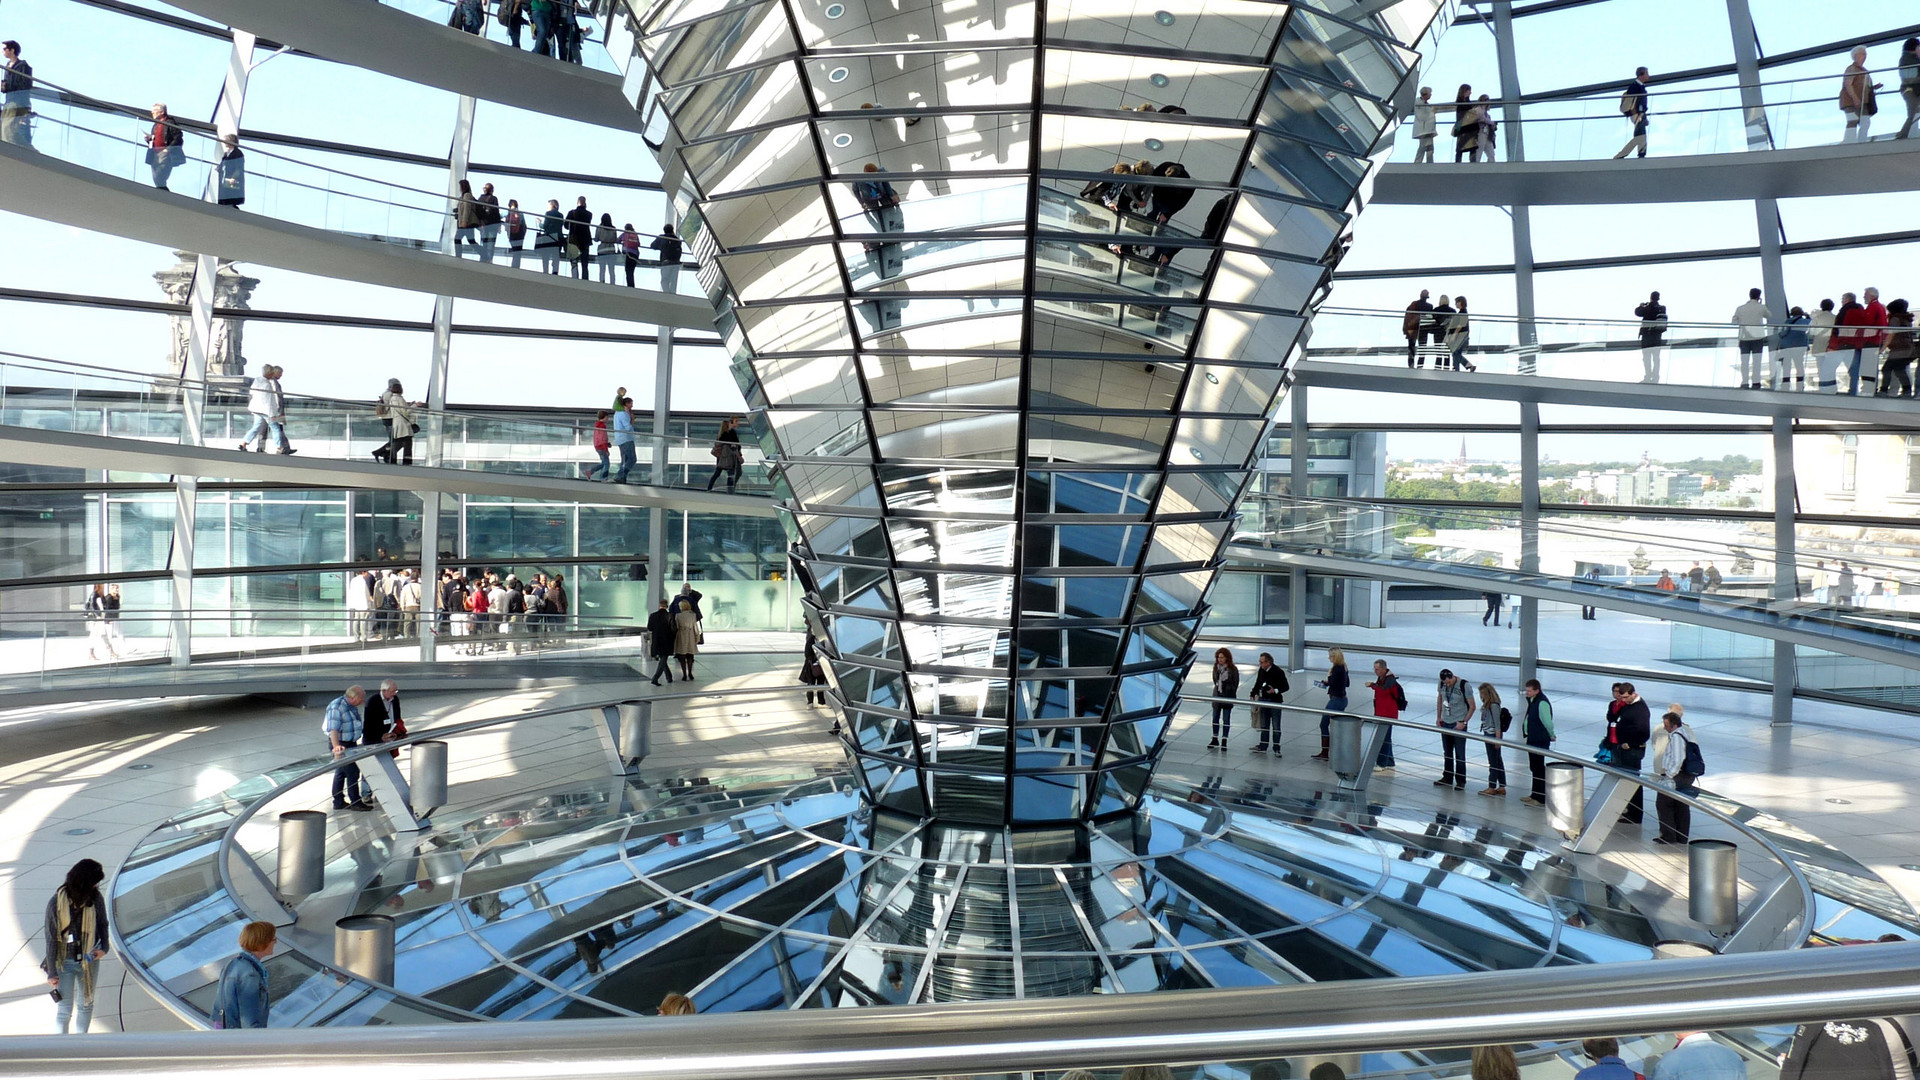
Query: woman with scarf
{"points": [[76, 939]]}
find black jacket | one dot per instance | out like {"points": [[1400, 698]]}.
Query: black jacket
{"points": [[1632, 726], [378, 715], [1653, 323], [1268, 684], [1168, 201], [580, 227], [668, 247], [660, 634]]}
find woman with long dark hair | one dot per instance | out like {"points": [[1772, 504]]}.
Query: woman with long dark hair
{"points": [[76, 939], [1464, 128], [1226, 684]]}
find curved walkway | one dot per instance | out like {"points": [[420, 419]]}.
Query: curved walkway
{"points": [[31, 446], [393, 42], [39, 186], [1392, 377], [1853, 169], [1893, 645]]}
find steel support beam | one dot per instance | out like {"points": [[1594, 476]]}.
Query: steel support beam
{"points": [[657, 517], [429, 623], [1529, 535], [1297, 487], [193, 389], [1786, 570]]}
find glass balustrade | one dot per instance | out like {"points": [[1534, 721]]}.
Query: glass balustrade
{"points": [[1391, 537], [286, 188], [1599, 350], [592, 53], [544, 887], [48, 396], [1795, 114], [45, 649]]}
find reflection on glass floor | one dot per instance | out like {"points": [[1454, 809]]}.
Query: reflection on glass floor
{"points": [[556, 904]]}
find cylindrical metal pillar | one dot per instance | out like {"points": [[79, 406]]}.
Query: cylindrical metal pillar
{"points": [[1566, 797], [636, 730], [363, 946], [1343, 752], [1713, 883], [427, 775], [303, 853]]}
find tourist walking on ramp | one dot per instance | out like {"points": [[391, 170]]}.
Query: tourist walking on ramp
{"points": [[1335, 684]]}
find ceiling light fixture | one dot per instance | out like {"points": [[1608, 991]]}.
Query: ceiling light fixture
{"points": [[843, 139], [1158, 79], [1156, 145], [834, 11], [1164, 18], [838, 74]]}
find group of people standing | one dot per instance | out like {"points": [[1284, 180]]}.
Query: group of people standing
{"points": [[1475, 132], [1625, 744], [1851, 337], [1445, 324], [574, 236], [557, 31]]}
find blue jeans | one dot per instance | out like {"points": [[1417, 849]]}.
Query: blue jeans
{"points": [[163, 168], [72, 996], [1334, 705], [626, 462], [1222, 722], [605, 467], [462, 235], [261, 425], [1385, 760], [1853, 370], [348, 784], [542, 33]]}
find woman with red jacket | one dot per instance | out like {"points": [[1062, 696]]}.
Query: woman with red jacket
{"points": [[601, 445]]}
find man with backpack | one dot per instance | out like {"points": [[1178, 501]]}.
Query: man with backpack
{"points": [[1538, 732], [1680, 764], [1633, 106], [1388, 699]]}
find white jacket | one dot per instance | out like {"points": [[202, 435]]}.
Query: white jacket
{"points": [[359, 598], [400, 412], [1751, 318], [264, 399], [1423, 121]]}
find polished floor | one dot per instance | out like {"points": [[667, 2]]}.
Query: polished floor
{"points": [[115, 769]]}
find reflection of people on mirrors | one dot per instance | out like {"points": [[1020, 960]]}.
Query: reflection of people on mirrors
{"points": [[879, 200], [592, 945]]}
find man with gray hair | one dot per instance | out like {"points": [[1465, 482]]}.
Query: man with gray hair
{"points": [[344, 730], [382, 715]]}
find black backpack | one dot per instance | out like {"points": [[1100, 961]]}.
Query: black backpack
{"points": [[1399, 695], [1506, 719], [1849, 1050], [1693, 764]]}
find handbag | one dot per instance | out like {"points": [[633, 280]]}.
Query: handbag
{"points": [[1604, 755]]}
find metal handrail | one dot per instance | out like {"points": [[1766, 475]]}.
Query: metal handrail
{"points": [[1797, 878], [1175, 1027]]}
